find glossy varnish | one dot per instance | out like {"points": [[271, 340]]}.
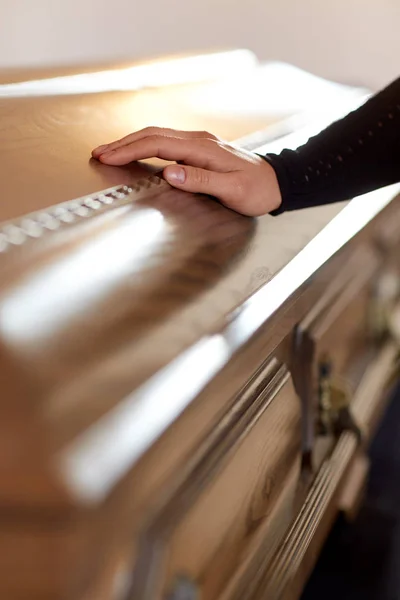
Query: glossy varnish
{"points": [[157, 428]]}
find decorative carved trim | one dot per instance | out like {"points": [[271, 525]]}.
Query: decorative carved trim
{"points": [[351, 280], [246, 410], [286, 567], [17, 232], [284, 577]]}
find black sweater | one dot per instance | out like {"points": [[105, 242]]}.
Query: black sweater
{"points": [[354, 155]]}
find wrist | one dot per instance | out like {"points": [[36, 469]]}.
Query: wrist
{"points": [[276, 196], [273, 197]]}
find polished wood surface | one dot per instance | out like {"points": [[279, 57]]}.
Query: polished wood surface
{"points": [[161, 356], [48, 127]]}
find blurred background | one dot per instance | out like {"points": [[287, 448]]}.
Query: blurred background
{"points": [[353, 41]]}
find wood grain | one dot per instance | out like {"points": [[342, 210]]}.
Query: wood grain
{"points": [[148, 348], [231, 490]]}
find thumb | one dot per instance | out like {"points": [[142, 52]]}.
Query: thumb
{"points": [[196, 180]]}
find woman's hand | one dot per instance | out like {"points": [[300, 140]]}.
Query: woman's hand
{"points": [[241, 180]]}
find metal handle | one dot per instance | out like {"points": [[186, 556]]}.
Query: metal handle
{"points": [[335, 414]]}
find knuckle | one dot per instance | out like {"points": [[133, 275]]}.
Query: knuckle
{"points": [[163, 131], [149, 130], [208, 135], [153, 131]]}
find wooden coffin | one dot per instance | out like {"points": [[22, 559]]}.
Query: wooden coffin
{"points": [[170, 368]]}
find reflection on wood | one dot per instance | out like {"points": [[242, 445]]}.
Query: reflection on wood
{"points": [[161, 361]]}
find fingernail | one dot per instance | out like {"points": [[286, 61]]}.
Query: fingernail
{"points": [[175, 175], [101, 149]]}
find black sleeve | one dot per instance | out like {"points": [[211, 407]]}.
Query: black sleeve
{"points": [[354, 155]]}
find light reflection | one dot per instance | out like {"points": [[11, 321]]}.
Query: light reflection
{"points": [[341, 229], [277, 88], [47, 300], [104, 453], [157, 74]]}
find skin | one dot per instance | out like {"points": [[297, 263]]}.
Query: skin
{"points": [[241, 180]]}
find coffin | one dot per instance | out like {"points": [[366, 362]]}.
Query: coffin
{"points": [[188, 394]]}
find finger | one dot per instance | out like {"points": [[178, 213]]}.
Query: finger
{"points": [[201, 181], [148, 131], [197, 152]]}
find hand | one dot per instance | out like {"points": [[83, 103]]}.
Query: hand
{"points": [[241, 180]]}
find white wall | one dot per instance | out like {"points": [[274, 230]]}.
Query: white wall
{"points": [[349, 40]]}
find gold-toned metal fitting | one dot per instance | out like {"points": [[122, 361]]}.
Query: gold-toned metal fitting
{"points": [[335, 396]]}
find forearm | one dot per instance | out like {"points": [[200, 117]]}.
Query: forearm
{"points": [[357, 154]]}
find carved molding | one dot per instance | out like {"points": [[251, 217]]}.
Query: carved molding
{"points": [[35, 225], [192, 481]]}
